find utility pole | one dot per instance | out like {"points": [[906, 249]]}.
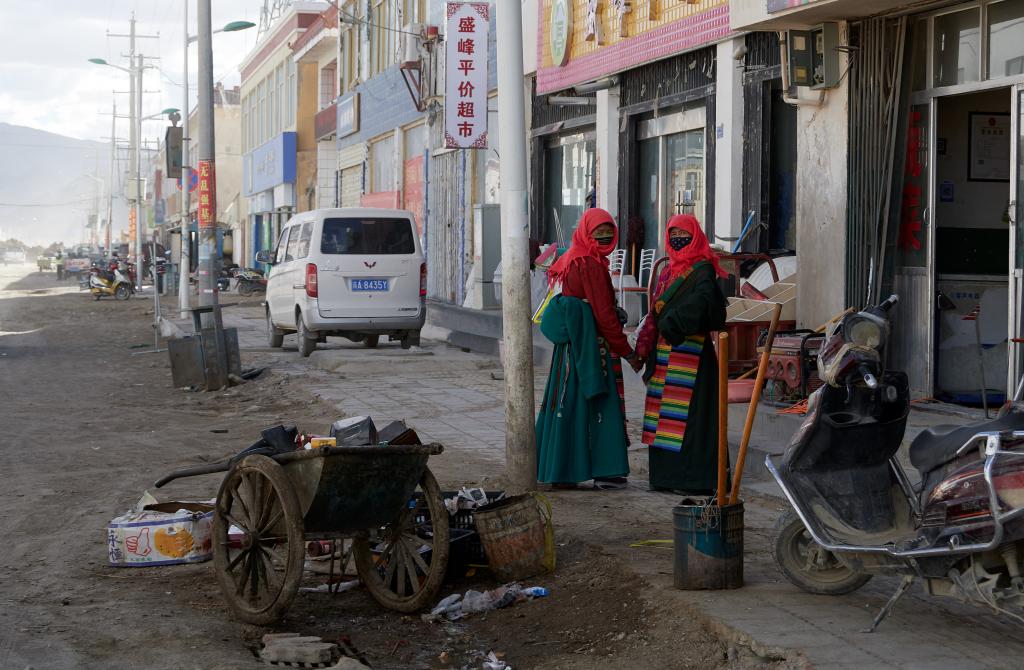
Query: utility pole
{"points": [[110, 182], [135, 134], [137, 151], [517, 329], [185, 262], [206, 164]]}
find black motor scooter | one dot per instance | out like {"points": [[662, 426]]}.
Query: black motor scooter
{"points": [[855, 511]]}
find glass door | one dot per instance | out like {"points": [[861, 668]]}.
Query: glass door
{"points": [[913, 344], [684, 169], [1015, 309]]}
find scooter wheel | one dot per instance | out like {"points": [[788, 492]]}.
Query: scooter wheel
{"points": [[807, 565]]}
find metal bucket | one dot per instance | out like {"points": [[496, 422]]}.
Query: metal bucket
{"points": [[708, 546], [515, 536]]}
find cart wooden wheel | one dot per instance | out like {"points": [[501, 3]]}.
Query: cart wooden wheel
{"points": [[403, 567], [259, 564]]}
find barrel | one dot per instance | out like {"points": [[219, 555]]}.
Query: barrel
{"points": [[708, 546], [513, 534]]}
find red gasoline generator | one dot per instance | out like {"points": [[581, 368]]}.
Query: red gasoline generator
{"points": [[792, 365]]}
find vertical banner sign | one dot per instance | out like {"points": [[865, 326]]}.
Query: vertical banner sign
{"points": [[207, 196], [131, 224], [465, 109]]}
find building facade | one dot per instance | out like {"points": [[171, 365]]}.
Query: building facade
{"points": [[277, 166], [652, 109], [912, 180]]}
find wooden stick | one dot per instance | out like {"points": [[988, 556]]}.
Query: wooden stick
{"points": [[723, 414], [822, 327], [762, 368]]}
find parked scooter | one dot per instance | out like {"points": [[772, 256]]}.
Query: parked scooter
{"points": [[856, 513], [110, 283], [250, 281]]}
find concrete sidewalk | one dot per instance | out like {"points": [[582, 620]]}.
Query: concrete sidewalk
{"points": [[456, 398]]}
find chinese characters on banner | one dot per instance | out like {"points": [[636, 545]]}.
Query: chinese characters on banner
{"points": [[132, 228], [207, 195], [465, 113]]}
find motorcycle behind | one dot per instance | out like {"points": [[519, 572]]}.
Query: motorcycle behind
{"points": [[250, 281], [110, 283], [855, 512]]}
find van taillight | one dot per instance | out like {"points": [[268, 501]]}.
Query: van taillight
{"points": [[311, 280], [423, 280]]}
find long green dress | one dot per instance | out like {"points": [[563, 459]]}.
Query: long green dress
{"points": [[681, 412], [581, 428]]}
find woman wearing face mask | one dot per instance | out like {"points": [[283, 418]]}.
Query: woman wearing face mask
{"points": [[681, 412], [581, 428]]}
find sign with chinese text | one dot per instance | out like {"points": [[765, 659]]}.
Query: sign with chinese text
{"points": [[465, 110], [560, 31], [348, 115], [132, 228], [207, 194], [579, 41], [989, 149]]}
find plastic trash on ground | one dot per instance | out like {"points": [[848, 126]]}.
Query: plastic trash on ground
{"points": [[457, 605]]}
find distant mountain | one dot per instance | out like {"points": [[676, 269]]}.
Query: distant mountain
{"points": [[46, 189]]}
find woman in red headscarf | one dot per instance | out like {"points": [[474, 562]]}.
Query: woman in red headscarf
{"points": [[681, 411], [581, 428]]}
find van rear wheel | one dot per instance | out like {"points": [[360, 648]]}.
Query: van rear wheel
{"points": [[307, 340], [275, 336]]}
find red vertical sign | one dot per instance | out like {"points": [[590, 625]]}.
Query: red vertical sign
{"points": [[207, 194]]}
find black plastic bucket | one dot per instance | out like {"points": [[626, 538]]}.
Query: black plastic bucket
{"points": [[708, 545]]}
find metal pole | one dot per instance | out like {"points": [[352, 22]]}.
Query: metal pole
{"points": [[133, 138], [137, 113], [517, 329], [110, 183], [207, 173], [185, 263]]}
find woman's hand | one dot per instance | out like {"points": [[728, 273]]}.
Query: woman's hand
{"points": [[635, 362]]}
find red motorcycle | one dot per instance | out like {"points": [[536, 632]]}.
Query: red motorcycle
{"points": [[855, 512]]}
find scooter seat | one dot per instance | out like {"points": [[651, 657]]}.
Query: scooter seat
{"points": [[938, 445]]}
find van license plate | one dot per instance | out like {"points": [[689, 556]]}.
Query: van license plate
{"points": [[370, 285]]}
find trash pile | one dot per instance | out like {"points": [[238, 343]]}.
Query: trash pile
{"points": [[470, 498], [458, 606]]}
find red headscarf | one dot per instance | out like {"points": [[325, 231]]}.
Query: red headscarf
{"points": [[583, 245], [697, 250]]}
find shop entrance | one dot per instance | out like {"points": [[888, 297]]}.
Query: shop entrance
{"points": [[671, 171], [972, 203]]}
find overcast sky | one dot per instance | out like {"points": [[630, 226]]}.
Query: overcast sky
{"points": [[46, 81]]}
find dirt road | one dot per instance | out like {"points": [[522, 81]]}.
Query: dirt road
{"points": [[90, 422]]}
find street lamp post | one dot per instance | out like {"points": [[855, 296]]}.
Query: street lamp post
{"points": [[185, 264]]}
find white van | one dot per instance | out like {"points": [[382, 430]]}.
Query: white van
{"points": [[353, 272]]}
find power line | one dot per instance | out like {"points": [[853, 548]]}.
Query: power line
{"points": [[53, 204]]}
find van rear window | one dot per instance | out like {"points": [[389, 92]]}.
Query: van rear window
{"points": [[352, 236]]}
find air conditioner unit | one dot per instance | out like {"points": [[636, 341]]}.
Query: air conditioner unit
{"points": [[412, 37]]}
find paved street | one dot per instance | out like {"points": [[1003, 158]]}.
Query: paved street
{"points": [[90, 426]]}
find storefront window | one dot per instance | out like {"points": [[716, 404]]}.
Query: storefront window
{"points": [[957, 48], [569, 181], [919, 40], [382, 156], [1006, 38]]}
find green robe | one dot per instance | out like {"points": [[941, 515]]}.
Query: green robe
{"points": [[581, 428], [694, 306]]}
